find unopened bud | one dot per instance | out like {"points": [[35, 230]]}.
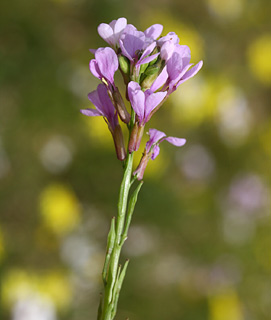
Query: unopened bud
{"points": [[154, 60], [135, 138], [119, 143], [120, 106], [148, 81], [151, 73], [124, 64], [151, 70], [143, 67]]}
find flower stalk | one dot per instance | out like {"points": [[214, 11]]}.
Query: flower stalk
{"points": [[152, 69], [113, 273]]}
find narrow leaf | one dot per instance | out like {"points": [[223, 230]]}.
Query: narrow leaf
{"points": [[131, 207], [100, 308], [118, 288], [110, 244]]}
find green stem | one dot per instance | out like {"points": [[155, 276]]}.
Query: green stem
{"points": [[112, 274]]}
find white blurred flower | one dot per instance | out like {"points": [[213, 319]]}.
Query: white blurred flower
{"points": [[197, 163], [56, 154], [237, 228], [234, 116], [141, 240], [248, 193], [33, 308]]}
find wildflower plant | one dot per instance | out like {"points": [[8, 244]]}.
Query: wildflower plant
{"points": [[152, 68]]}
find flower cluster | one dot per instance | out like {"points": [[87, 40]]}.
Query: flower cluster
{"points": [[152, 68]]}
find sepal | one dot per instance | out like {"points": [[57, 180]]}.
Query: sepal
{"points": [[120, 106], [135, 138], [119, 143]]}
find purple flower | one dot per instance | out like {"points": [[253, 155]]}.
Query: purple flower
{"points": [[112, 32], [104, 107], [152, 149], [156, 137], [136, 46], [167, 45], [176, 70], [153, 32], [170, 37], [104, 65], [143, 103]]}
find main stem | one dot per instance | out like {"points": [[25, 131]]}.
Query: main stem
{"points": [[107, 312]]}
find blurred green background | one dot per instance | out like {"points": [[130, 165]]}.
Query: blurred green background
{"points": [[201, 234]]}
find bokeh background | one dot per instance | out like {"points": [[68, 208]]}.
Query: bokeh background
{"points": [[200, 239]]}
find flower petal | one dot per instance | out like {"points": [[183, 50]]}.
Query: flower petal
{"points": [[152, 101], [167, 50], [118, 29], [190, 73], [184, 52], [171, 36], [147, 51], [154, 31], [119, 25], [155, 136], [160, 80], [90, 112], [131, 42], [137, 99], [178, 142], [173, 84], [92, 50], [108, 63], [105, 31], [94, 69], [148, 59], [174, 66], [155, 152], [124, 51], [129, 29], [106, 103], [94, 98]]}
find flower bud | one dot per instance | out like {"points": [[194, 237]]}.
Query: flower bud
{"points": [[124, 66], [151, 73], [120, 106], [148, 81], [119, 143], [135, 138], [143, 67]]}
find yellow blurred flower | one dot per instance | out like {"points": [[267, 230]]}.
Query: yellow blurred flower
{"points": [[226, 8], [225, 306], [57, 287], [193, 102], [16, 283], [197, 99], [19, 284], [59, 208], [259, 53], [98, 131]]}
